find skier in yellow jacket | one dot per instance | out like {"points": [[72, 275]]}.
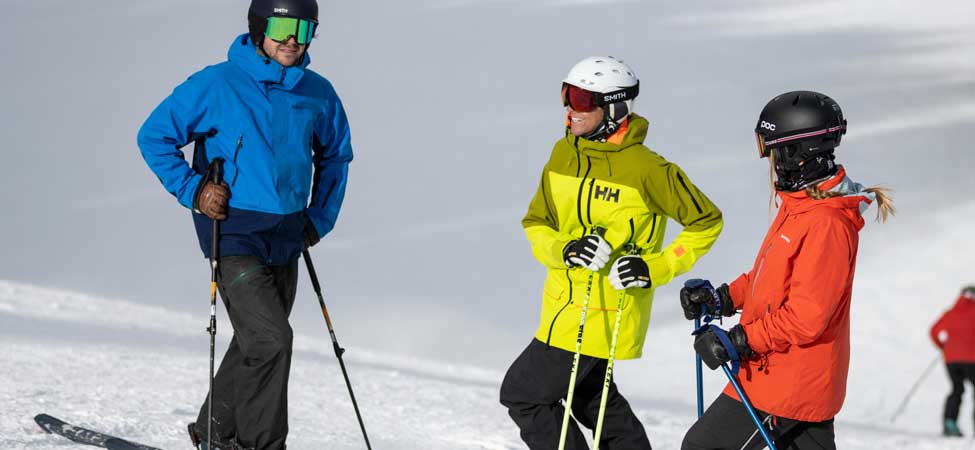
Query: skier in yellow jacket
{"points": [[600, 214]]}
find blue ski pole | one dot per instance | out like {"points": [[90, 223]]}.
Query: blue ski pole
{"points": [[748, 406], [706, 314]]}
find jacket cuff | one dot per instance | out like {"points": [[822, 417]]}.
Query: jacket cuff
{"points": [[738, 291], [755, 337], [311, 233]]}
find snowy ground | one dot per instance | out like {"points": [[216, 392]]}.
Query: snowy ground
{"points": [[428, 342], [139, 372]]}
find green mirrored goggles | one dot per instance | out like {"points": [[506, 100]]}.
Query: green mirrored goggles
{"points": [[282, 28]]}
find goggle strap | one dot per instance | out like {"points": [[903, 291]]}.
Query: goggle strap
{"points": [[804, 135], [622, 95]]}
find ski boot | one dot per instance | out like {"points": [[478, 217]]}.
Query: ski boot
{"points": [[951, 429], [200, 440]]}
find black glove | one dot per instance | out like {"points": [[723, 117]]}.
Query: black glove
{"points": [[713, 352], [591, 252], [699, 292], [311, 235], [629, 271]]}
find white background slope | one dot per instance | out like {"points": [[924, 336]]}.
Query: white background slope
{"points": [[139, 372]]}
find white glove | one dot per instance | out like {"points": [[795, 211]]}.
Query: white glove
{"points": [[591, 252], [628, 272]]}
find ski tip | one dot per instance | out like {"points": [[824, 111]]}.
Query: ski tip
{"points": [[46, 422]]}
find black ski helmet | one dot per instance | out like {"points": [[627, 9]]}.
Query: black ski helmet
{"points": [[260, 10], [802, 128]]}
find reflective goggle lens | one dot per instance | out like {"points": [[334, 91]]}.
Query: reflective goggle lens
{"points": [[577, 98], [762, 151], [282, 28]]}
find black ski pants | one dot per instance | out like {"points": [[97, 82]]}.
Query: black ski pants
{"points": [[958, 373], [250, 390], [726, 425], [537, 383]]}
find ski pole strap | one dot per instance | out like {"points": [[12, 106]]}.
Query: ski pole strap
{"points": [[725, 341], [728, 347], [706, 313]]}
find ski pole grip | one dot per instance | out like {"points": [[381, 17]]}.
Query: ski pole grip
{"points": [[217, 170]]}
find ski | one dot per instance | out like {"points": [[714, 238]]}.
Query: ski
{"points": [[85, 436]]}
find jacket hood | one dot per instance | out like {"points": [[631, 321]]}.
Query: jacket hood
{"points": [[633, 132], [854, 199], [262, 69]]}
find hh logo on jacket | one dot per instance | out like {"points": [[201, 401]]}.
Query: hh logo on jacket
{"points": [[607, 194]]}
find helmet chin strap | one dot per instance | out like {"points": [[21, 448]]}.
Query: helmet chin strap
{"points": [[613, 114], [795, 175]]}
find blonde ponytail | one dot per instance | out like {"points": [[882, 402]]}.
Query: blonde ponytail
{"points": [[885, 202]]}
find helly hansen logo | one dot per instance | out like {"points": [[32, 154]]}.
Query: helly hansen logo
{"points": [[607, 194]]}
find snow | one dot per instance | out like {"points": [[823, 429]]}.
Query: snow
{"points": [[102, 321], [144, 381]]}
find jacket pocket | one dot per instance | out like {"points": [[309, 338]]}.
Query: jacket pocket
{"points": [[554, 304], [552, 293]]}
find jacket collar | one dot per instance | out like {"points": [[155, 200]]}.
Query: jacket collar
{"points": [[854, 199], [634, 132], [262, 69]]}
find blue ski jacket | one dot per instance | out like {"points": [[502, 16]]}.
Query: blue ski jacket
{"points": [[284, 136]]}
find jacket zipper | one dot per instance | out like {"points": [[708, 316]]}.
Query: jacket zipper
{"points": [[566, 305], [689, 194], [582, 185], [592, 183], [585, 229], [329, 193], [653, 228], [240, 144], [761, 264]]}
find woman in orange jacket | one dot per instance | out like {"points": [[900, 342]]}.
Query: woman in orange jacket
{"points": [[793, 336], [954, 335]]}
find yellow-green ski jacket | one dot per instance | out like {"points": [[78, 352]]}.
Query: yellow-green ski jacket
{"points": [[629, 190]]}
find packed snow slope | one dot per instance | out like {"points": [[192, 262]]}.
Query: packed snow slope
{"points": [[139, 372]]}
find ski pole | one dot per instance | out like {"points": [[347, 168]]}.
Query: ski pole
{"points": [[335, 343], [699, 372], [630, 249], [575, 359], [748, 406], [705, 314], [212, 329], [917, 384]]}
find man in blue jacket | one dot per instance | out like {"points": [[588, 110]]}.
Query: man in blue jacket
{"points": [[283, 135]]}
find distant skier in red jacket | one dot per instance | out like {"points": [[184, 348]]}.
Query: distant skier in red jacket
{"points": [[954, 334]]}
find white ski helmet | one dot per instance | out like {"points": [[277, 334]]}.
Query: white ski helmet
{"points": [[615, 83]]}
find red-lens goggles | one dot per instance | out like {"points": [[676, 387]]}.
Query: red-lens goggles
{"points": [[578, 99]]}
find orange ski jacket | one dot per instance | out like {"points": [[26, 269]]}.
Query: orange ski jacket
{"points": [[958, 323], [795, 304]]}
